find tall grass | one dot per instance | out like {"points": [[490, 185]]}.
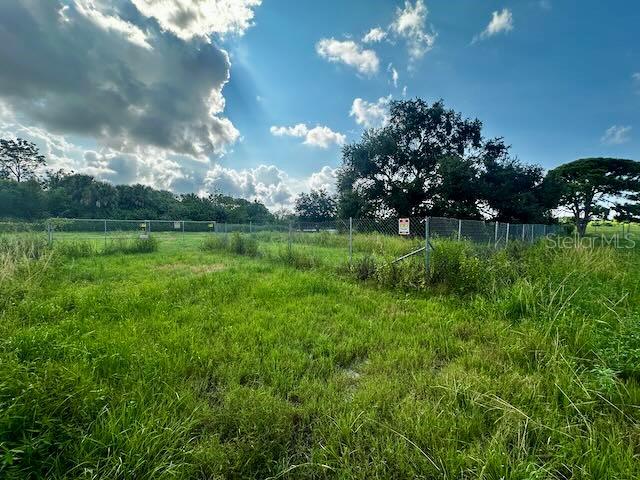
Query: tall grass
{"points": [[515, 364], [236, 243], [124, 246], [23, 261]]}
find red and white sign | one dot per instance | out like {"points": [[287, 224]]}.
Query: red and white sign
{"points": [[403, 226]]}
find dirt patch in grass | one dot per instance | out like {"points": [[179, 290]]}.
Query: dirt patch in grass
{"points": [[195, 269]]}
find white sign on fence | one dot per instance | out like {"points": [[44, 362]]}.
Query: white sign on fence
{"points": [[403, 226], [177, 225]]}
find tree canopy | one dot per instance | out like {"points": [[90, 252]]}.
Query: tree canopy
{"points": [[430, 160], [19, 159], [316, 206], [595, 186], [26, 196]]}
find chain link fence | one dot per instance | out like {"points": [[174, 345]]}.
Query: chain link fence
{"points": [[341, 239]]}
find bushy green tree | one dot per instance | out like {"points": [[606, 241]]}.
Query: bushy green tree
{"points": [[315, 206], [517, 192], [22, 200], [589, 185], [430, 160], [19, 159]]}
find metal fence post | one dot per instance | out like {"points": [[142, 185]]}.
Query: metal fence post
{"points": [[459, 230], [350, 240], [105, 232], [290, 233], [495, 239], [250, 227], [49, 234], [427, 252], [523, 232], [183, 237], [507, 239]]}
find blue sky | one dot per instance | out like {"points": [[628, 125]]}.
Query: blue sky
{"points": [[551, 86], [255, 98]]}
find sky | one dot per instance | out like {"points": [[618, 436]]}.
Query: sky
{"points": [[255, 98]]}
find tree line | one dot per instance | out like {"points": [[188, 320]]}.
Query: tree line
{"points": [[427, 160], [25, 195], [431, 161]]}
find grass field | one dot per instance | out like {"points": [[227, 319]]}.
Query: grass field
{"points": [[192, 362]]}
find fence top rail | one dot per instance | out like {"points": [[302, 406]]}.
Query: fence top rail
{"points": [[124, 220], [337, 221]]}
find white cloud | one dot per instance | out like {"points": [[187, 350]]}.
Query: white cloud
{"points": [[501, 22], [200, 18], [267, 184], [299, 130], [323, 137], [349, 53], [404, 91], [319, 136], [166, 95], [106, 22], [324, 179], [371, 114], [616, 135], [374, 35], [410, 24], [394, 75]]}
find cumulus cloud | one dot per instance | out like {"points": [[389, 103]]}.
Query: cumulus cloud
{"points": [[319, 136], [92, 79], [350, 53], [371, 114], [267, 183], [146, 165], [200, 18], [104, 89], [616, 135], [107, 22], [374, 35], [410, 24], [299, 130], [501, 22], [325, 179]]}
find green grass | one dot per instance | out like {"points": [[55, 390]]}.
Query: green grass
{"points": [[228, 363]]}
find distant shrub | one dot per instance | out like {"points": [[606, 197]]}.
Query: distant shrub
{"points": [[243, 245], [130, 246], [75, 249], [297, 258], [237, 243], [215, 243]]}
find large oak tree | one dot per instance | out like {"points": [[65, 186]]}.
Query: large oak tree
{"points": [[430, 160]]}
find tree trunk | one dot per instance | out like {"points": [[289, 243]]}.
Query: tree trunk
{"points": [[581, 225]]}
